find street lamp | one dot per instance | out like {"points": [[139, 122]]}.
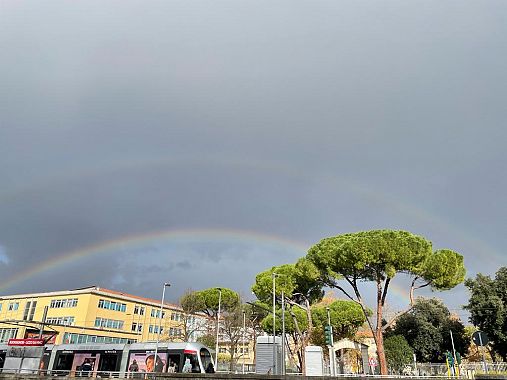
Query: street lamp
{"points": [[283, 334], [218, 325], [273, 275], [331, 348], [244, 325], [166, 285]]}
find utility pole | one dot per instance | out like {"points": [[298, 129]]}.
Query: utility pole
{"points": [[283, 335], [331, 346], [244, 325], [161, 311], [273, 275], [218, 327], [453, 354], [43, 322], [482, 351]]}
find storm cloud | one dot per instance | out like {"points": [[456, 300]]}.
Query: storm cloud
{"points": [[293, 119]]}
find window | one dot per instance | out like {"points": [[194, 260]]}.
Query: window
{"points": [[0, 307], [173, 331], [32, 311], [61, 303], [29, 310], [13, 306], [206, 358], [64, 321], [154, 329], [84, 338], [6, 334], [109, 323], [139, 310], [176, 317], [111, 305], [137, 327], [155, 313]]}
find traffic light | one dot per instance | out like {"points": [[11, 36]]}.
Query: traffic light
{"points": [[449, 358], [328, 333]]}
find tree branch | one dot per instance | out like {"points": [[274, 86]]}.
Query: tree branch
{"points": [[384, 294], [335, 285], [413, 288], [393, 319]]}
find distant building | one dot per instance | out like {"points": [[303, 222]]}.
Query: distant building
{"points": [[95, 315]]}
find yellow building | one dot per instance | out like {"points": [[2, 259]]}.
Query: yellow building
{"points": [[93, 314]]}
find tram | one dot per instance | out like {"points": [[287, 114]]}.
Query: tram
{"points": [[107, 360]]}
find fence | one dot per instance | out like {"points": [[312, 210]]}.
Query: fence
{"points": [[430, 370]]}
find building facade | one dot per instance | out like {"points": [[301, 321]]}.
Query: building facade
{"points": [[95, 315]]}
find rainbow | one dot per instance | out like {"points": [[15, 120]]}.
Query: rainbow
{"points": [[331, 180], [377, 196], [139, 242], [132, 242]]}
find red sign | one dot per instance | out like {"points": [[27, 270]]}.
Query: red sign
{"points": [[372, 362], [48, 338], [26, 342]]}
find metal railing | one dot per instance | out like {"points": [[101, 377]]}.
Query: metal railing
{"points": [[429, 370]]}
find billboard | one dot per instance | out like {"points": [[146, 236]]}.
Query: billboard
{"points": [[144, 362], [49, 337]]}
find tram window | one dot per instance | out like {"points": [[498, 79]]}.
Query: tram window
{"points": [[205, 358], [193, 361], [174, 363], [64, 362], [108, 362]]}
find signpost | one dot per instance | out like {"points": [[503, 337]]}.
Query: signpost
{"points": [[373, 363], [481, 339]]}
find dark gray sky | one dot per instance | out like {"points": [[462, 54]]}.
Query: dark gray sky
{"points": [[247, 131]]}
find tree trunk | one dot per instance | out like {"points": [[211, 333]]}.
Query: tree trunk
{"points": [[379, 336], [381, 353], [302, 344]]}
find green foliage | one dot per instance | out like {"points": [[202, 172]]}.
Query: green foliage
{"points": [[445, 269], [346, 317], [208, 340], [258, 310], [488, 308], [398, 353], [371, 255], [290, 328], [206, 301], [192, 302], [293, 279], [427, 330]]}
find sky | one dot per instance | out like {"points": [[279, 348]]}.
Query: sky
{"points": [[202, 142]]}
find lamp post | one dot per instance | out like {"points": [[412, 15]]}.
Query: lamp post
{"points": [[218, 325], [331, 348], [273, 275], [244, 325], [283, 334], [166, 285]]}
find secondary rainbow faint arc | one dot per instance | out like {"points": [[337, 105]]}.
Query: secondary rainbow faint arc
{"points": [[117, 245], [406, 208]]}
